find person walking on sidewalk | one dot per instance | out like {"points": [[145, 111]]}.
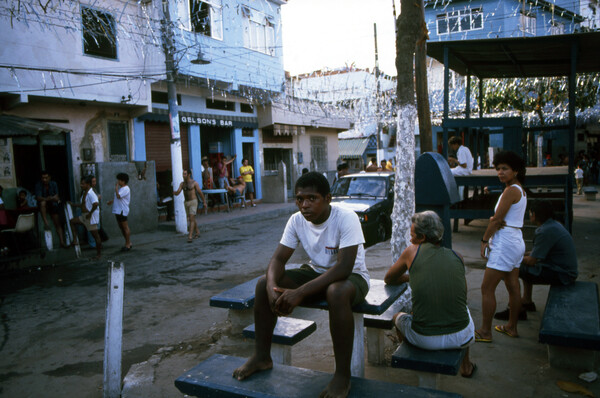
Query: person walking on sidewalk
{"points": [[504, 240], [190, 188], [120, 207], [90, 215], [579, 179], [333, 240], [552, 261], [247, 172]]}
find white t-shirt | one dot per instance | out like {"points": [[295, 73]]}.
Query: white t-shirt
{"points": [[578, 174], [121, 206], [463, 155], [90, 199], [323, 241]]}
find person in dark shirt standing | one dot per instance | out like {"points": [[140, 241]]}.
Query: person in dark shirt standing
{"points": [[552, 260], [46, 194]]}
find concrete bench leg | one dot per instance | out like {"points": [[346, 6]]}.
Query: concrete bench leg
{"points": [[571, 358], [240, 319], [281, 354], [376, 346], [429, 380], [357, 367]]}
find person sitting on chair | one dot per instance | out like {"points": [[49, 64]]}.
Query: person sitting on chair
{"points": [[237, 186], [46, 194]]}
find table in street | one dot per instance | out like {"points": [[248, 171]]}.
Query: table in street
{"points": [[215, 191], [380, 297]]}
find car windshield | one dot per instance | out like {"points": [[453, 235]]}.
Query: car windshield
{"points": [[359, 186]]}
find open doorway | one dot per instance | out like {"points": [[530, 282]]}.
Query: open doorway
{"points": [[274, 156]]}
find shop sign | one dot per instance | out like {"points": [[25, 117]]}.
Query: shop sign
{"points": [[204, 121]]}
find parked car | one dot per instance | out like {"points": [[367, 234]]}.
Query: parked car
{"points": [[371, 196]]}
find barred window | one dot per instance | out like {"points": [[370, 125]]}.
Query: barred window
{"points": [[318, 152], [459, 21], [99, 33]]}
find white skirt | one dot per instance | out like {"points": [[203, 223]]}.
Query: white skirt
{"points": [[506, 249]]}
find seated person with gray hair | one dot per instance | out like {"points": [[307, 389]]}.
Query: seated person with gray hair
{"points": [[440, 319]]}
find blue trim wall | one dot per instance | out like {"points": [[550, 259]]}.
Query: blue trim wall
{"points": [[195, 156], [139, 136]]}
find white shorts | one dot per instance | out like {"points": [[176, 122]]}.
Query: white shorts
{"points": [[506, 249], [460, 339]]}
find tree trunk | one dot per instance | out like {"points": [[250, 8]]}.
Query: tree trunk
{"points": [[424, 114], [407, 33]]}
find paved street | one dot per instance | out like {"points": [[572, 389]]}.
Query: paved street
{"points": [[52, 333], [53, 319]]}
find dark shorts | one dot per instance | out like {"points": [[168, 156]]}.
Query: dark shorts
{"points": [[306, 274], [52, 208], [120, 217], [249, 187], [546, 277]]}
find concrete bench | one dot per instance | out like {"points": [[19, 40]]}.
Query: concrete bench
{"points": [[429, 365], [212, 378], [378, 300], [240, 301], [376, 326], [288, 331], [590, 193], [571, 325]]}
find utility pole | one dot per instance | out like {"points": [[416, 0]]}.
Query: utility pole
{"points": [[176, 158], [378, 88]]}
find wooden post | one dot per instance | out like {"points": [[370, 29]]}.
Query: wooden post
{"points": [[113, 336]]}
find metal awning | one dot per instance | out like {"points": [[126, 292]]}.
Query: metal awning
{"points": [[162, 115], [353, 148], [520, 56], [16, 126]]}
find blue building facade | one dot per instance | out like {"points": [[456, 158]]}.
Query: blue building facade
{"points": [[228, 57], [488, 19]]}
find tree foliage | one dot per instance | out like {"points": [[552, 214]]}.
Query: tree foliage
{"points": [[541, 95]]}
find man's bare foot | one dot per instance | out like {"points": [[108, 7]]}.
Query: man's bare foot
{"points": [[252, 365], [468, 369], [338, 387]]}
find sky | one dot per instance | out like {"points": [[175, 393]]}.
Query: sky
{"points": [[330, 34]]}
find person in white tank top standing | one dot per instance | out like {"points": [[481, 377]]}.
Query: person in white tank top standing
{"points": [[502, 244]]}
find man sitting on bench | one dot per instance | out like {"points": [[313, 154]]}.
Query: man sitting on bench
{"points": [[440, 318], [333, 239], [552, 260]]}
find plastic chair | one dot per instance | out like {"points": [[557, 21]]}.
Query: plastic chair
{"points": [[25, 223], [241, 197]]}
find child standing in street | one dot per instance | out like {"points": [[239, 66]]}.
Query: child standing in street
{"points": [[121, 207], [90, 215]]}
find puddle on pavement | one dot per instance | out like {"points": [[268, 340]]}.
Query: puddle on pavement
{"points": [[93, 368], [11, 375], [94, 334], [225, 242], [77, 369]]}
